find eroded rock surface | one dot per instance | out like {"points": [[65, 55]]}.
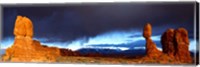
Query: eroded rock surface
{"points": [[175, 46], [23, 27], [167, 41], [175, 43], [25, 49], [182, 45], [151, 49]]}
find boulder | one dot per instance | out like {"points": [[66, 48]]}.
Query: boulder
{"points": [[147, 32]]}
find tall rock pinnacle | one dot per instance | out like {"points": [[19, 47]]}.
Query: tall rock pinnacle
{"points": [[23, 27], [23, 31], [151, 49]]}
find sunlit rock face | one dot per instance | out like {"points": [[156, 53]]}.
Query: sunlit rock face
{"points": [[23, 27], [181, 45], [23, 31], [175, 43], [147, 32], [151, 49], [25, 49]]}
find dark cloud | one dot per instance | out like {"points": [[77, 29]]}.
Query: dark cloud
{"points": [[69, 22]]}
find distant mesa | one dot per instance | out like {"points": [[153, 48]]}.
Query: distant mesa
{"points": [[25, 49]]}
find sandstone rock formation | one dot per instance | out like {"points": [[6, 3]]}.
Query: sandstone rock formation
{"points": [[23, 27], [182, 45], [175, 43], [147, 32], [175, 46], [167, 41], [151, 49], [25, 49]]}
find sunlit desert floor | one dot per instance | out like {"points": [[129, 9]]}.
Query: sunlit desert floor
{"points": [[98, 60], [113, 60], [109, 60]]}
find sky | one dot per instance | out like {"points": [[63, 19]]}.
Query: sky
{"points": [[99, 25]]}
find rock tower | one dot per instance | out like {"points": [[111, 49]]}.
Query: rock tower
{"points": [[25, 49]]}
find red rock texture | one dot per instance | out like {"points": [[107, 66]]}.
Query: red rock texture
{"points": [[167, 41], [182, 45], [147, 32], [175, 43], [175, 46], [23, 27], [151, 49], [25, 49]]}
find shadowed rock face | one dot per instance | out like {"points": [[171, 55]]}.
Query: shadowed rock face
{"points": [[167, 41], [151, 49], [25, 49], [175, 43]]}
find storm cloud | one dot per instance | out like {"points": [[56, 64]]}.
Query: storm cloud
{"points": [[69, 22]]}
